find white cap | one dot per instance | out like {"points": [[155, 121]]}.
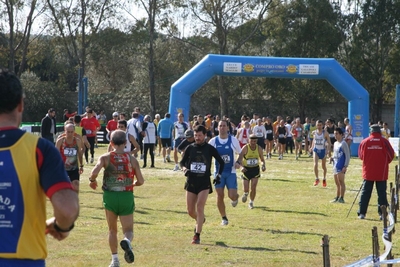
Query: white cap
{"points": [[115, 114]]}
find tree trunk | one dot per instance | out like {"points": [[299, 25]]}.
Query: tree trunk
{"points": [[152, 18], [10, 13], [222, 96]]}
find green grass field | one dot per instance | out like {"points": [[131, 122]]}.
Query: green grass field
{"points": [[284, 229]]}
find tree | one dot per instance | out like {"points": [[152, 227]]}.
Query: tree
{"points": [[302, 28], [370, 55], [19, 34], [74, 20], [216, 20]]}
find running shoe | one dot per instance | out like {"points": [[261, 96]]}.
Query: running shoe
{"points": [[127, 247], [361, 216], [168, 159], [196, 240], [324, 182], [234, 203], [341, 200], [165, 160], [114, 263], [176, 168], [316, 182], [251, 206], [224, 222], [91, 160], [244, 198], [335, 200]]}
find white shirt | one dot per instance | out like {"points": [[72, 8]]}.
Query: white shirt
{"points": [[259, 131], [150, 137]]}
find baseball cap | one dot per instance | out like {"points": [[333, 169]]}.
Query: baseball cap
{"points": [[189, 133], [115, 114]]}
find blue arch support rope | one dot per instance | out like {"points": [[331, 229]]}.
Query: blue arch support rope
{"points": [[276, 67]]}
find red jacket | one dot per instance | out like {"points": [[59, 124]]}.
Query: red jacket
{"points": [[376, 153]]}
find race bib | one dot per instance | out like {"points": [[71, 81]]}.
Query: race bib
{"points": [[226, 158], [252, 162], [269, 131], [281, 136], [319, 142], [197, 167], [88, 132], [331, 135], [70, 151]]}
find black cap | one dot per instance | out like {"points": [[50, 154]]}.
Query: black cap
{"points": [[189, 133]]}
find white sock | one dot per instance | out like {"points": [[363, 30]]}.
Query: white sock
{"points": [[114, 257]]}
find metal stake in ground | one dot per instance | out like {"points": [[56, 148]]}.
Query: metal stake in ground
{"points": [[355, 199]]}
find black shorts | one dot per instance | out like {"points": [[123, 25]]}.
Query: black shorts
{"points": [[333, 140], [197, 184], [260, 142], [166, 142], [270, 137], [73, 175], [282, 141], [252, 172]]}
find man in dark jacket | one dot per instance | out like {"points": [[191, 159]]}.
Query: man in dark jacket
{"points": [[376, 153], [49, 126]]}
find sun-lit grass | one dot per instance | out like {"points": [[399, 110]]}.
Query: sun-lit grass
{"points": [[284, 229]]}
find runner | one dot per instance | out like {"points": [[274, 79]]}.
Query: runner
{"points": [[320, 150], [249, 158]]}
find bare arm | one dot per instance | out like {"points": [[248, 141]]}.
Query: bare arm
{"points": [[238, 133], [86, 142], [80, 151], [138, 173], [58, 143], [260, 154], [101, 163], [66, 209], [134, 143], [241, 156], [328, 139]]}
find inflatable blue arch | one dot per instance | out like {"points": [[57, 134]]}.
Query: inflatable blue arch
{"points": [[276, 67]]}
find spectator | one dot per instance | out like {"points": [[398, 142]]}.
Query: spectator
{"points": [[376, 153], [49, 126]]}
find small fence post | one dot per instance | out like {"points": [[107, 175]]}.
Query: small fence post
{"points": [[325, 251], [375, 247]]}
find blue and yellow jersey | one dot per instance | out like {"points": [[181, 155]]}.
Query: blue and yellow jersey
{"points": [[30, 169]]}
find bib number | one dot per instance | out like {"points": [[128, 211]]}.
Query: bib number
{"points": [[198, 167], [69, 152], [226, 158], [252, 162]]}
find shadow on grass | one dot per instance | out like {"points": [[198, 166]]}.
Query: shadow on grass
{"points": [[290, 211], [222, 244], [278, 231], [281, 180], [99, 207], [173, 211]]}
